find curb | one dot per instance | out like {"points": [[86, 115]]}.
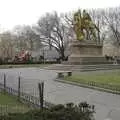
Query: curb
{"points": [[88, 86]]}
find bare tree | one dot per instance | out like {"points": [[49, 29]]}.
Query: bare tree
{"points": [[27, 38], [53, 32], [20, 38], [68, 18], [98, 18], [7, 45], [112, 17]]}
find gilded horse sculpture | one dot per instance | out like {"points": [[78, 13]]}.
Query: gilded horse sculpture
{"points": [[83, 25]]}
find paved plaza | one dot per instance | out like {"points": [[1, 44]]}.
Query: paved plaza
{"points": [[107, 105]]}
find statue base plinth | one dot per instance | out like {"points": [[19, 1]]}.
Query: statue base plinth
{"points": [[86, 52]]}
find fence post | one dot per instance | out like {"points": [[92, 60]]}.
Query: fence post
{"points": [[4, 83], [41, 91], [19, 88]]}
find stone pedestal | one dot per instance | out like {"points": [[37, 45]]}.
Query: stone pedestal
{"points": [[86, 52]]}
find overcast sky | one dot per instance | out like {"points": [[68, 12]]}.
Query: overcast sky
{"points": [[19, 12]]}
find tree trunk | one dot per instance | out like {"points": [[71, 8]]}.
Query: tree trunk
{"points": [[98, 32], [62, 56]]}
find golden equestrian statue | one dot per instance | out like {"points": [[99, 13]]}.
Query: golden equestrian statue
{"points": [[84, 26]]}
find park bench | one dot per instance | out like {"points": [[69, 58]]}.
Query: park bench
{"points": [[61, 74]]}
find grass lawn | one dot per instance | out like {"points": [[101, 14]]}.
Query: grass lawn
{"points": [[10, 104], [109, 80]]}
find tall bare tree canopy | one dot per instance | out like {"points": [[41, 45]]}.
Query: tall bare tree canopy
{"points": [[53, 32], [27, 38], [112, 20], [7, 45]]}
